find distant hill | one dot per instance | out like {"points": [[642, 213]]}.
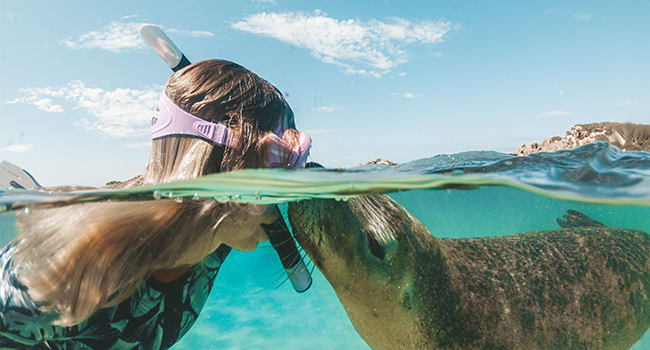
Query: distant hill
{"points": [[625, 136]]}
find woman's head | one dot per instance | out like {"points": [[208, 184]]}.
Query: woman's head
{"points": [[218, 90], [224, 92], [78, 258]]}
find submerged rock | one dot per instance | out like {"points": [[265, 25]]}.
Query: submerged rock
{"points": [[625, 136]]}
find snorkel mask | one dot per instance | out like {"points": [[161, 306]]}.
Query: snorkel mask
{"points": [[287, 148]]}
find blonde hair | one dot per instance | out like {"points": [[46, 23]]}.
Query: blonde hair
{"points": [[79, 258]]}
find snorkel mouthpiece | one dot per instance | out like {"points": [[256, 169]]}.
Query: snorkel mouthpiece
{"points": [[284, 245]]}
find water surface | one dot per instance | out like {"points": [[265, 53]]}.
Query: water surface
{"points": [[471, 194]]}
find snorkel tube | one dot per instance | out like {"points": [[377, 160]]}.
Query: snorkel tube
{"points": [[277, 232], [165, 47], [13, 176]]}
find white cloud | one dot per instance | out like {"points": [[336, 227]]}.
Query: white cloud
{"points": [[17, 148], [402, 74], [116, 37], [117, 113], [368, 48], [326, 109], [191, 33], [404, 95], [625, 103], [136, 145], [556, 114], [582, 16], [122, 36], [44, 104], [367, 73], [129, 17]]}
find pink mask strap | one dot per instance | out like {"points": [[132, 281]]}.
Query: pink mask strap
{"points": [[171, 120]]}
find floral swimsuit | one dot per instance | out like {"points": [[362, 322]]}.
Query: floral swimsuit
{"points": [[155, 317]]}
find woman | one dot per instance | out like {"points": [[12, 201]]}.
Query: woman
{"points": [[136, 274]]}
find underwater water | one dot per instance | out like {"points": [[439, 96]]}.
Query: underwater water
{"points": [[471, 194]]}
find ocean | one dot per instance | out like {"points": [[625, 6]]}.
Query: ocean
{"points": [[471, 194]]}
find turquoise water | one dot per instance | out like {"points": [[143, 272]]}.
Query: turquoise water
{"points": [[252, 306]]}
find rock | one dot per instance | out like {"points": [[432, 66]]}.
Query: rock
{"points": [[378, 161], [625, 136]]}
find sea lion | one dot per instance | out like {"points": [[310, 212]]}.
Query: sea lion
{"points": [[584, 286]]}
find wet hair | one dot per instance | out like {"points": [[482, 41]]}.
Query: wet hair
{"points": [[218, 91], [79, 258]]}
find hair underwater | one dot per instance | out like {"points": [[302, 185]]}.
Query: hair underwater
{"points": [[79, 258]]}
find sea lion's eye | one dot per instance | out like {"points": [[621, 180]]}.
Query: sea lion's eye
{"points": [[375, 248]]}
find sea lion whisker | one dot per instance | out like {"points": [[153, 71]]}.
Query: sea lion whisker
{"points": [[280, 279], [284, 280], [294, 258]]}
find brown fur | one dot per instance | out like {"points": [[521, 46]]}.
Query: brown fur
{"points": [[585, 286]]}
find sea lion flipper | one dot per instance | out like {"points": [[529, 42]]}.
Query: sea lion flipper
{"points": [[574, 218]]}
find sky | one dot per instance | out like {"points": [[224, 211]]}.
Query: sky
{"points": [[401, 80]]}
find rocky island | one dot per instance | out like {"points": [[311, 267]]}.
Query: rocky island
{"points": [[625, 136], [377, 161]]}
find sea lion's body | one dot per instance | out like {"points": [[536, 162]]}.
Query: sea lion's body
{"points": [[585, 286]]}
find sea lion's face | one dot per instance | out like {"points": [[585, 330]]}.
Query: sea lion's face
{"points": [[365, 248], [358, 235]]}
